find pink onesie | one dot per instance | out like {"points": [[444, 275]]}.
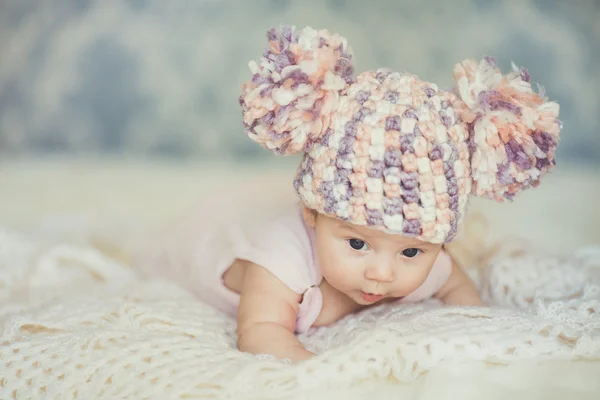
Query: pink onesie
{"points": [[198, 251]]}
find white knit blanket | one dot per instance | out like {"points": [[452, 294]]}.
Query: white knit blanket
{"points": [[77, 325]]}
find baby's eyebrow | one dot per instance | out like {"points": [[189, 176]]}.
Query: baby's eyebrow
{"points": [[419, 244], [349, 227]]}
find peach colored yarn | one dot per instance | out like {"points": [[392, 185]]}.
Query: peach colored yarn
{"points": [[388, 150]]}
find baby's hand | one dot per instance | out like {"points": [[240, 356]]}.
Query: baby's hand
{"points": [[271, 338]]}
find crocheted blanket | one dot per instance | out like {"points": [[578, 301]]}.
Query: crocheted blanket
{"points": [[77, 324]]}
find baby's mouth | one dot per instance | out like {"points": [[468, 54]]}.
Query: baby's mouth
{"points": [[371, 297]]}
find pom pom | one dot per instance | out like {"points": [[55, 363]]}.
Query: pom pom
{"points": [[514, 131], [295, 87]]}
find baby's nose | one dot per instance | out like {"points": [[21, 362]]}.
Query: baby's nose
{"points": [[381, 272]]}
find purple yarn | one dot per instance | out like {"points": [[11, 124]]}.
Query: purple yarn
{"points": [[309, 163], [282, 112], [410, 196], [381, 75], [346, 145], [515, 153], [280, 60], [392, 123], [322, 42], [392, 205], [493, 100], [390, 172], [392, 158], [471, 142], [268, 118], [281, 150], [298, 77], [251, 127], [391, 96], [260, 80], [274, 136], [325, 138], [330, 206], [341, 177], [542, 163], [453, 230], [362, 96], [452, 187], [286, 33], [504, 177], [344, 68], [409, 180], [342, 161], [361, 114], [436, 153], [453, 201], [513, 108], [491, 61], [350, 129], [376, 170], [429, 92], [559, 122], [452, 191], [410, 113], [525, 75], [266, 90], [374, 217], [406, 143], [411, 227], [358, 192], [446, 120], [272, 34], [543, 140]]}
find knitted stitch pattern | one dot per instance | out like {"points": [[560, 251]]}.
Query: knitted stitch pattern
{"points": [[75, 324], [391, 151]]}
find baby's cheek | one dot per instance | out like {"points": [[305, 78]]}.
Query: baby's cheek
{"points": [[412, 282], [341, 277], [416, 277]]}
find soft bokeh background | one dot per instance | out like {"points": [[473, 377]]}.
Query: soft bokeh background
{"points": [[131, 107], [161, 78]]}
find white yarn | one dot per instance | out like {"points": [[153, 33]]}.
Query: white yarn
{"points": [[78, 325]]}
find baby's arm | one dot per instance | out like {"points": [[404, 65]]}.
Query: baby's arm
{"points": [[459, 289], [267, 316]]}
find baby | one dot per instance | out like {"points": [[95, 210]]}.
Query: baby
{"points": [[388, 164]]}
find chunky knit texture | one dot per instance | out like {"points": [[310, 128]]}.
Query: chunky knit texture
{"points": [[76, 324], [388, 150]]}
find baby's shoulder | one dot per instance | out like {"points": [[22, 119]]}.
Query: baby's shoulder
{"points": [[282, 244]]}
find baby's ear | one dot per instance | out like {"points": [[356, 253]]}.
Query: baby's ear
{"points": [[310, 216]]}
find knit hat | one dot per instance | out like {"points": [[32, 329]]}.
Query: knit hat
{"points": [[388, 150]]}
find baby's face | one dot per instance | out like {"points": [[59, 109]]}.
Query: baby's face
{"points": [[369, 265]]}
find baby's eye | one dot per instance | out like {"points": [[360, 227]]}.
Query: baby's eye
{"points": [[411, 253], [358, 244]]}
